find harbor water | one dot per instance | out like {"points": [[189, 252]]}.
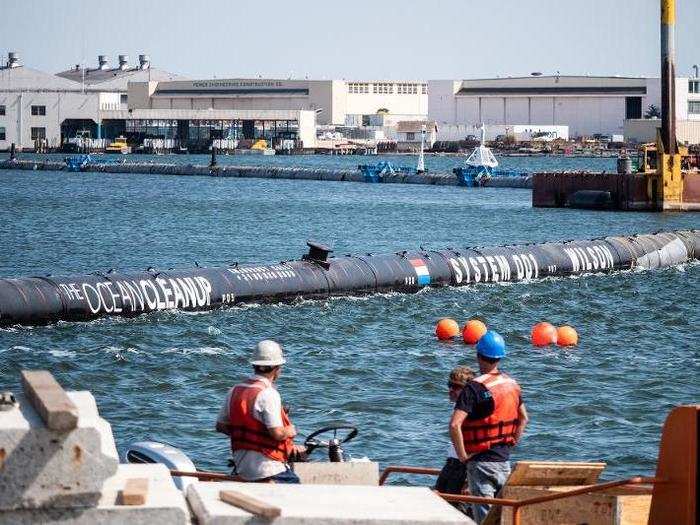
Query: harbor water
{"points": [[369, 361]]}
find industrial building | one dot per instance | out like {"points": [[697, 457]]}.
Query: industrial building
{"points": [[141, 102], [587, 105], [41, 110], [335, 102]]}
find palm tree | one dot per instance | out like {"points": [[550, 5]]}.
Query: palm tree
{"points": [[652, 112]]}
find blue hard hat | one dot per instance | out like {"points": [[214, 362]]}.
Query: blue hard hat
{"points": [[491, 345]]}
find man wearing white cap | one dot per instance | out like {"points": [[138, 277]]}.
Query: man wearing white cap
{"points": [[262, 436]]}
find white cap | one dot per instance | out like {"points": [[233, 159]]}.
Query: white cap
{"points": [[267, 353]]}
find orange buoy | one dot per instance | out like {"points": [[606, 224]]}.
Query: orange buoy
{"points": [[543, 334], [472, 331], [567, 336], [446, 329]]}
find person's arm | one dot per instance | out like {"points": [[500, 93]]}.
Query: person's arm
{"points": [[269, 404], [222, 427], [222, 420], [522, 422], [458, 417], [282, 433]]}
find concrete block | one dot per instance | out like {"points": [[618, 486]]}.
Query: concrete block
{"points": [[164, 503], [328, 504], [325, 473], [40, 467]]}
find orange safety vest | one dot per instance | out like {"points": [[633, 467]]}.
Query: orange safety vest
{"points": [[499, 428], [246, 432]]}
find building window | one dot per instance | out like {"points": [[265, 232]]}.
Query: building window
{"points": [[39, 111], [358, 87], [124, 98], [424, 89], [410, 136], [2, 133], [693, 86], [2, 111], [633, 107], [38, 133], [694, 107]]}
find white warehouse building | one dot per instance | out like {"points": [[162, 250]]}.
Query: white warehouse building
{"points": [[587, 105], [336, 102]]}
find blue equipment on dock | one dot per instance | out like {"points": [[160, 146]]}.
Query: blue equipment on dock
{"points": [[377, 172], [475, 176], [480, 166], [77, 162]]}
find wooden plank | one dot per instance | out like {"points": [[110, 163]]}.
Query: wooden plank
{"points": [[135, 492], [593, 509], [250, 504], [634, 510], [545, 473], [50, 400], [555, 473]]}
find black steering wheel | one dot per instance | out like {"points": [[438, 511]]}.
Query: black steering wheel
{"points": [[312, 442]]}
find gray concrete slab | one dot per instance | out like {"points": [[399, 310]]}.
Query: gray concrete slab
{"points": [[42, 467], [325, 473], [327, 504], [165, 504]]}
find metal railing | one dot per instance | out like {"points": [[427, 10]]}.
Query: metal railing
{"points": [[517, 505]]}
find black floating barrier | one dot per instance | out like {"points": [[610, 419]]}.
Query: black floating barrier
{"points": [[40, 300]]}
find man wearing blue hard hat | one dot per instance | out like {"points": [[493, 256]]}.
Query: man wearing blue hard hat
{"points": [[488, 421]]}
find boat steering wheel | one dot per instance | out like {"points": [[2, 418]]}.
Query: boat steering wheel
{"points": [[333, 443]]}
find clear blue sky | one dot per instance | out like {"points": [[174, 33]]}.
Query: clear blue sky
{"points": [[360, 39]]}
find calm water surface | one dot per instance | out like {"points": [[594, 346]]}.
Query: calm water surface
{"points": [[372, 362]]}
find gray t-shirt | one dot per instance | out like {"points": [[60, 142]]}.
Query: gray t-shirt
{"points": [[249, 464]]}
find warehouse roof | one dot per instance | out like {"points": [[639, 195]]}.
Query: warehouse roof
{"points": [[117, 79], [22, 78]]}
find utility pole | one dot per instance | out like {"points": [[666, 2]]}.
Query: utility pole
{"points": [[668, 76]]}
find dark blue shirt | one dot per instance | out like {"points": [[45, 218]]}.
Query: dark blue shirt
{"points": [[475, 399]]}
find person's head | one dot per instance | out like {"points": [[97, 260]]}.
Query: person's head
{"points": [[490, 349], [267, 359], [459, 377]]}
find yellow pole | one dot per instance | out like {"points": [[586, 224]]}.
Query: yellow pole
{"points": [[667, 187]]}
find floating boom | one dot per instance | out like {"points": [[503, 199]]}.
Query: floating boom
{"points": [[41, 300]]}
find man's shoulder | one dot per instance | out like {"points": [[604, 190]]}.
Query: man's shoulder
{"points": [[269, 395]]}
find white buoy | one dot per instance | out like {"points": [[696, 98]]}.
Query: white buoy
{"points": [[420, 168], [482, 157]]}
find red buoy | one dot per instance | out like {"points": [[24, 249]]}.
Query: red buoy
{"points": [[567, 336], [472, 331], [543, 334], [446, 329]]}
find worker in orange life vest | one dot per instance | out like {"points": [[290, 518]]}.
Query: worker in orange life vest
{"points": [[262, 435], [488, 421]]}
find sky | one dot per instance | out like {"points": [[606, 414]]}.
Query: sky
{"points": [[352, 39]]}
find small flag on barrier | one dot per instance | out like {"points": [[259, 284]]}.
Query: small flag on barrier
{"points": [[421, 271]]}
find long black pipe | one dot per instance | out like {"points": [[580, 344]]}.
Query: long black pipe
{"points": [[40, 300]]}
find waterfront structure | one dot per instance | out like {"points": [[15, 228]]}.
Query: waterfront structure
{"points": [[336, 102], [39, 110], [588, 105], [409, 134]]}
